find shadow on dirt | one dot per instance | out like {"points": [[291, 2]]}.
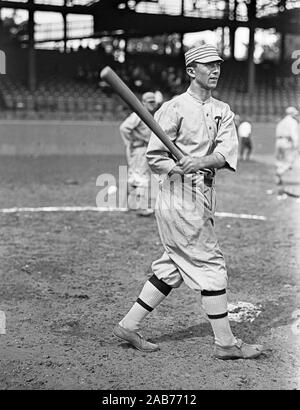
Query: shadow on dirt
{"points": [[273, 314], [200, 330]]}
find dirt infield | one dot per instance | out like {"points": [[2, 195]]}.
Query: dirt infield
{"points": [[67, 278]]}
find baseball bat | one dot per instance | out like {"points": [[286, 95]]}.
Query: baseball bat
{"points": [[118, 85]]}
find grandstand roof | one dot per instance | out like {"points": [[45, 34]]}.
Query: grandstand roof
{"points": [[135, 18]]}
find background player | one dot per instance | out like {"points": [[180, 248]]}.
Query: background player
{"points": [[245, 139], [287, 141], [135, 135]]}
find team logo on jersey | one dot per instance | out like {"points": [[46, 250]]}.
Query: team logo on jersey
{"points": [[218, 119]]}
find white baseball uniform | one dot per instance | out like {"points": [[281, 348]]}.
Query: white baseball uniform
{"points": [[136, 135], [287, 135], [191, 250]]}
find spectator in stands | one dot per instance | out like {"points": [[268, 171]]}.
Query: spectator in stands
{"points": [[245, 139], [287, 142]]}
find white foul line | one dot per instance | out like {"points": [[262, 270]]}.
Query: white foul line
{"points": [[62, 209], [112, 209], [240, 216]]}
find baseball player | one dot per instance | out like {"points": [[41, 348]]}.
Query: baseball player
{"points": [[287, 141], [244, 133], [203, 129], [135, 135]]}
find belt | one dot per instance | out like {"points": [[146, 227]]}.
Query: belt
{"points": [[208, 181], [208, 176]]}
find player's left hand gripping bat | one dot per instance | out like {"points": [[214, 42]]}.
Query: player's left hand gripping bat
{"points": [[127, 95]]}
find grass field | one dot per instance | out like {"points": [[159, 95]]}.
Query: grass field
{"points": [[68, 277]]}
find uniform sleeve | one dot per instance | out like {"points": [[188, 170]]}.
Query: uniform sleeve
{"points": [[226, 140], [127, 126], [158, 155]]}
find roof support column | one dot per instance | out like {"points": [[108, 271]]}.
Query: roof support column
{"points": [[251, 65], [251, 46], [282, 9], [125, 47], [31, 50], [1, 25], [232, 30], [182, 34], [65, 33], [282, 47], [65, 22]]}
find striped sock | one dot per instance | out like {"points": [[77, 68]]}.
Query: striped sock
{"points": [[152, 294], [215, 306]]}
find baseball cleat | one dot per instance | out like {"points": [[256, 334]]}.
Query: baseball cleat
{"points": [[240, 350], [135, 339]]}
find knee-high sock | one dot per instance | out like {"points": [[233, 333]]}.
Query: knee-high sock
{"points": [[215, 306], [152, 294]]}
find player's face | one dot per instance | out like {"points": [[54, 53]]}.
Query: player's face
{"points": [[207, 75]]}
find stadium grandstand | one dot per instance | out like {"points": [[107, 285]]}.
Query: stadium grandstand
{"points": [[52, 69]]}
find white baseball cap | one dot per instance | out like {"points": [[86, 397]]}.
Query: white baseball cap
{"points": [[291, 111], [148, 97]]}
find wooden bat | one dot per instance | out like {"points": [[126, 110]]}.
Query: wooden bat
{"points": [[118, 85]]}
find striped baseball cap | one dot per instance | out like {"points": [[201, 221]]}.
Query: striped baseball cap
{"points": [[202, 54]]}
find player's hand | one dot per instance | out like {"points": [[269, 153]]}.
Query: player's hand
{"points": [[176, 171], [188, 164]]}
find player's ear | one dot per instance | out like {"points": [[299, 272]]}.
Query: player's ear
{"points": [[190, 71]]}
